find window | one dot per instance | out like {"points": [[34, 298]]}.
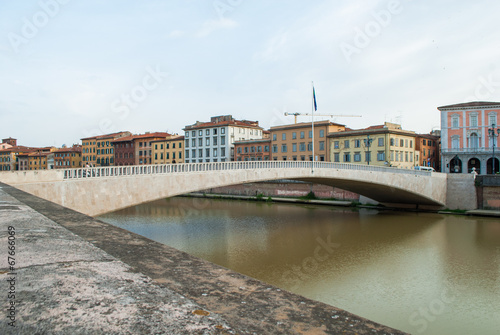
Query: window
{"points": [[238, 150], [401, 143], [200, 132], [455, 121], [406, 143], [310, 134], [380, 141], [357, 143], [252, 148], [187, 154], [294, 147], [207, 141], [223, 140], [223, 130], [357, 157], [222, 152], [259, 148], [215, 152], [246, 150], [275, 148], [294, 136], [302, 146], [473, 120], [215, 140], [322, 133], [492, 119], [200, 142], [266, 148], [406, 156], [215, 131], [283, 148], [301, 134], [336, 157], [392, 142], [283, 136], [474, 141], [274, 137], [346, 144], [193, 133], [347, 157], [322, 145], [187, 134], [336, 144], [207, 132], [193, 153], [200, 153], [168, 155], [309, 146], [380, 156], [207, 152]]}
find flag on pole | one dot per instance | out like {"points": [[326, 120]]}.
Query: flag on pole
{"points": [[314, 99]]}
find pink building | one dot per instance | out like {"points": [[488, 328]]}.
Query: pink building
{"points": [[467, 139]]}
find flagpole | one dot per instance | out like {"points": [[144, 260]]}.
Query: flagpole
{"points": [[312, 124]]}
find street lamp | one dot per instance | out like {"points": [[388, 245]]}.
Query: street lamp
{"points": [[368, 141], [491, 133]]}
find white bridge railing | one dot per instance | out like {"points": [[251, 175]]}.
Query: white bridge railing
{"points": [[118, 171]]}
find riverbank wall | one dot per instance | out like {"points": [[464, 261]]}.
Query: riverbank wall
{"points": [[73, 274], [488, 192]]}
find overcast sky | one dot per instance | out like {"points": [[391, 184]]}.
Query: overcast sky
{"points": [[76, 68]]}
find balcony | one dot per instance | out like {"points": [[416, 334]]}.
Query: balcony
{"points": [[482, 150]]}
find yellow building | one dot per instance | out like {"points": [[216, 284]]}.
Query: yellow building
{"points": [[383, 145], [293, 142], [99, 150], [68, 158], [37, 160], [168, 151]]}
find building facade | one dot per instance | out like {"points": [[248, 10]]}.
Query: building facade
{"points": [[214, 141], [294, 142], [467, 142], [99, 150], [136, 149], [67, 158], [428, 147], [168, 151], [253, 150], [382, 145]]}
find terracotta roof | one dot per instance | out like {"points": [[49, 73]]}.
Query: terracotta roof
{"points": [[260, 140], [173, 138], [306, 125], [19, 148], [106, 135], [70, 149], [141, 136], [471, 105], [244, 123]]}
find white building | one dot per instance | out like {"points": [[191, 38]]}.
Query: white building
{"points": [[214, 141]]}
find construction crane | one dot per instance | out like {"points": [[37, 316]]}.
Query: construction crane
{"points": [[330, 115]]}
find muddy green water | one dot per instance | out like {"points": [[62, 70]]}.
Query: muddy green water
{"points": [[421, 273]]}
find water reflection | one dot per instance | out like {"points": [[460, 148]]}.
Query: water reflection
{"points": [[422, 273]]}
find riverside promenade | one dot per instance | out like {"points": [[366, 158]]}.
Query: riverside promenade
{"points": [[69, 273]]}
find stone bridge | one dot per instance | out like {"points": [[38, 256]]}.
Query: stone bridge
{"points": [[95, 191]]}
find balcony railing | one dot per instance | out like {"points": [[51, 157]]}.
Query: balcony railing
{"points": [[136, 170], [481, 150]]}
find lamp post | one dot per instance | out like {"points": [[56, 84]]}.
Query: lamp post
{"points": [[491, 133], [368, 141]]}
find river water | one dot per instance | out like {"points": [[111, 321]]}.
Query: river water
{"points": [[418, 272]]}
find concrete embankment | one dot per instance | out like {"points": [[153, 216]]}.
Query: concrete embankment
{"points": [[77, 275]]}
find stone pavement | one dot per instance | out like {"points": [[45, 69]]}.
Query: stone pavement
{"points": [[74, 274]]}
